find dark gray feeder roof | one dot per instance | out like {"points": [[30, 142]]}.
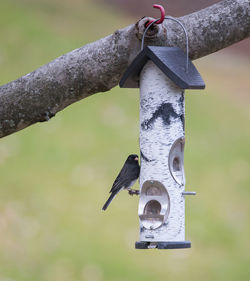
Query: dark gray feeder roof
{"points": [[171, 61]]}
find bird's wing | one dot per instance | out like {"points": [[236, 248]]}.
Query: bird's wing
{"points": [[121, 180]]}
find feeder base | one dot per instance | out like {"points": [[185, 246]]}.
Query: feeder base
{"points": [[162, 245]]}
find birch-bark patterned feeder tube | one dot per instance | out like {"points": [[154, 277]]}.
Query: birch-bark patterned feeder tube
{"points": [[161, 74]]}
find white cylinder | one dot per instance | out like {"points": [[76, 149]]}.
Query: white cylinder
{"points": [[162, 216]]}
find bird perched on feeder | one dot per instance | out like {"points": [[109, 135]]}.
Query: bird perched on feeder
{"points": [[126, 178]]}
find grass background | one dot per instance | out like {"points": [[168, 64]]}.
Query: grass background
{"points": [[55, 176]]}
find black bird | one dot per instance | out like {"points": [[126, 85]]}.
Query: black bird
{"points": [[126, 178]]}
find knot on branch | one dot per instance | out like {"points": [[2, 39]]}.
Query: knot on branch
{"points": [[141, 26], [46, 116]]}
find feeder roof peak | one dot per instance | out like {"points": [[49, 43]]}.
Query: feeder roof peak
{"points": [[171, 61]]}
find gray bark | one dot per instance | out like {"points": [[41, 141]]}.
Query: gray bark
{"points": [[97, 67]]}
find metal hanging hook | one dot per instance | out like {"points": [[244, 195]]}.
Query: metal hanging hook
{"points": [[161, 19], [175, 20]]}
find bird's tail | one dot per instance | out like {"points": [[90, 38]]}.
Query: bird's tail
{"points": [[111, 197]]}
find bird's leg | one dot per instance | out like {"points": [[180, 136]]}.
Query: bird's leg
{"points": [[133, 191]]}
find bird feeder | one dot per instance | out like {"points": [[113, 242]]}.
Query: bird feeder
{"points": [[162, 74]]}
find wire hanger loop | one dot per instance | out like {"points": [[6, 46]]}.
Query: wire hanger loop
{"points": [[175, 20]]}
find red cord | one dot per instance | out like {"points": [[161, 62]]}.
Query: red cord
{"points": [[162, 15]]}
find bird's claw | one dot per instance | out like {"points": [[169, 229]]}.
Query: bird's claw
{"points": [[133, 192]]}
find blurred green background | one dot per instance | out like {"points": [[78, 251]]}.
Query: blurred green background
{"points": [[55, 176]]}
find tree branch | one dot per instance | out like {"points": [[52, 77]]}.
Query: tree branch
{"points": [[97, 67]]}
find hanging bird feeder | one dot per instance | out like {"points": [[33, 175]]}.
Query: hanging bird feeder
{"points": [[162, 74]]}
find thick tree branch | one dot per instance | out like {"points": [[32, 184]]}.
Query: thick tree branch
{"points": [[97, 67]]}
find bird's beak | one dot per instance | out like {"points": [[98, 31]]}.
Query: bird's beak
{"points": [[136, 158]]}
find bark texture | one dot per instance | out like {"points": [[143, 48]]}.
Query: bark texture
{"points": [[161, 125], [97, 67]]}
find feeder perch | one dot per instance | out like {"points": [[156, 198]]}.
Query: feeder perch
{"points": [[161, 73]]}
